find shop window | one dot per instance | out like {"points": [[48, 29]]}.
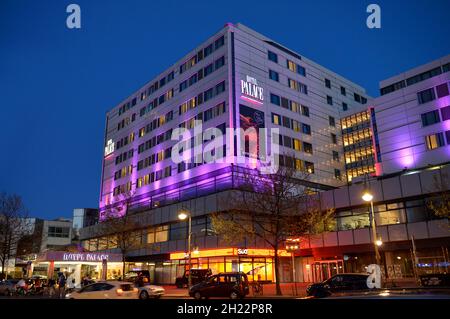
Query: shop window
{"points": [[390, 217]]}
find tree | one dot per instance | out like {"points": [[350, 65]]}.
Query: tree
{"points": [[272, 208], [441, 205], [118, 226], [14, 224]]}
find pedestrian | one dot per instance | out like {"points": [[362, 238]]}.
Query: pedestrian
{"points": [[62, 286], [70, 283], [51, 287]]}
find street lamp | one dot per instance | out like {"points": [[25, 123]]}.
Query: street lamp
{"points": [[292, 245], [368, 197], [182, 215]]}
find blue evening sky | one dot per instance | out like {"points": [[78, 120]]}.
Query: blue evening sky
{"points": [[56, 84]]}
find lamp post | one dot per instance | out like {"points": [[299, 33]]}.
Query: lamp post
{"points": [[184, 213], [368, 197], [292, 245]]}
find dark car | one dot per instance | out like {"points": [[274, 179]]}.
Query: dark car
{"points": [[229, 284], [132, 275], [198, 275], [338, 283]]}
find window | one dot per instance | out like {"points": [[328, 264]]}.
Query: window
{"points": [[208, 50], [305, 110], [306, 129], [423, 76], [331, 121], [297, 144], [275, 119], [272, 56], [445, 112], [220, 88], [291, 65], [219, 42], [337, 173], [61, 232], [286, 122], [274, 99], [219, 63], [309, 167], [335, 156], [208, 94], [430, 118], [442, 90], [328, 83], [307, 148], [435, 141], [208, 69], [357, 97], [273, 75], [426, 96], [344, 106], [447, 136], [333, 138], [343, 92], [329, 100], [301, 70], [285, 103]]}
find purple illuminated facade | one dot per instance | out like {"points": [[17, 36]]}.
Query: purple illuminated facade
{"points": [[232, 70]]}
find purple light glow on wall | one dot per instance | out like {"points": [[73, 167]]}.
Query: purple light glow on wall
{"points": [[253, 101]]}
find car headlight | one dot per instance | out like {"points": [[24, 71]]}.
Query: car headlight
{"points": [[67, 295]]}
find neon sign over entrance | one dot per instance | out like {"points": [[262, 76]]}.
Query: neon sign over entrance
{"points": [[251, 91]]}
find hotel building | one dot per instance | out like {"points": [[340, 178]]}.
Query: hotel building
{"points": [[403, 141], [237, 78]]}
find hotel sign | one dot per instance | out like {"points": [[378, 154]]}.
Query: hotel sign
{"points": [[251, 90], [80, 257], [109, 147]]}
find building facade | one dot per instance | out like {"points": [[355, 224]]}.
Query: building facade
{"points": [[238, 78]]}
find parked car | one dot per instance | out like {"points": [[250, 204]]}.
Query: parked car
{"points": [[439, 280], [106, 290], [338, 283], [198, 275], [150, 291], [229, 284], [132, 275], [8, 287]]}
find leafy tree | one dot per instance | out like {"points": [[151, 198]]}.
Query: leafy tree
{"points": [[272, 208], [118, 227], [440, 206]]}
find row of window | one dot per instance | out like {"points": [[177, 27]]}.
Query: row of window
{"points": [[287, 122], [156, 123], [294, 67], [436, 140], [154, 158], [151, 89], [202, 73], [433, 117], [154, 176], [155, 140], [125, 140], [207, 115], [295, 163], [430, 94], [355, 122], [124, 156], [294, 143], [289, 104], [202, 54], [415, 79], [124, 171], [297, 86], [156, 102], [126, 121], [122, 189], [357, 136]]}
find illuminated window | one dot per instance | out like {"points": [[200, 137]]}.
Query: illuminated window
{"points": [[275, 119], [291, 66], [435, 141], [297, 145]]}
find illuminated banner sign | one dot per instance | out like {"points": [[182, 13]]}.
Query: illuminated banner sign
{"points": [[251, 91], [109, 147], [80, 257]]}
